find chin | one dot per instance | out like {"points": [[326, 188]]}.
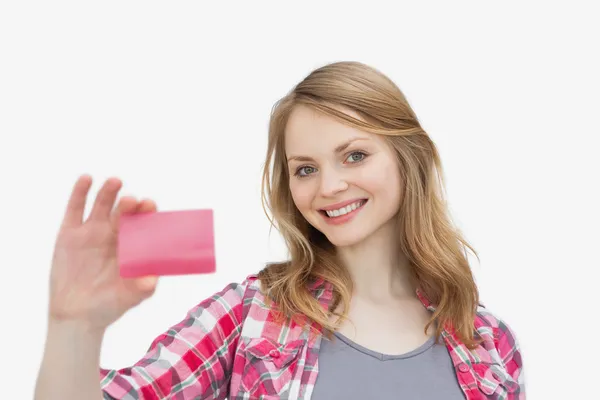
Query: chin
{"points": [[345, 240]]}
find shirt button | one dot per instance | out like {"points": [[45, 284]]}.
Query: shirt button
{"points": [[274, 353], [462, 367]]}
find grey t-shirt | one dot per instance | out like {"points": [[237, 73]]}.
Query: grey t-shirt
{"points": [[350, 371]]}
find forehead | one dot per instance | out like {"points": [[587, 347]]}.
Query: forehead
{"points": [[308, 129]]}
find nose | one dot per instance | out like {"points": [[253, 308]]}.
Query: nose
{"points": [[332, 182]]}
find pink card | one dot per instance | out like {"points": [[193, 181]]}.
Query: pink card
{"points": [[167, 243]]}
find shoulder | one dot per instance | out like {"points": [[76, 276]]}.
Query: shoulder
{"points": [[253, 291], [245, 297], [227, 305], [486, 321], [236, 292], [251, 284], [493, 328]]}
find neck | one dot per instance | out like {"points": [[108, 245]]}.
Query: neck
{"points": [[379, 270]]}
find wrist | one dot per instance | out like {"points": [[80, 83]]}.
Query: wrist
{"points": [[74, 328]]}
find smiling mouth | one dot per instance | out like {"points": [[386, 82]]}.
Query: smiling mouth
{"points": [[344, 210]]}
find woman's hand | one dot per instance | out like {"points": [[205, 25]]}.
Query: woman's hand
{"points": [[85, 286]]}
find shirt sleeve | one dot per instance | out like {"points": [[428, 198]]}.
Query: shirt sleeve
{"points": [[510, 351], [191, 360]]}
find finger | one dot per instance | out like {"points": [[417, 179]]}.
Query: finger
{"points": [[76, 204], [142, 287], [105, 199], [146, 205], [146, 285], [127, 205]]}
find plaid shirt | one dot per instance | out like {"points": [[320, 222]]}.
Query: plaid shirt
{"points": [[229, 346]]}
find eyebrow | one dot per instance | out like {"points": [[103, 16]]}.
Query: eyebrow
{"points": [[338, 149]]}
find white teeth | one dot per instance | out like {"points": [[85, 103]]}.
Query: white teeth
{"points": [[345, 210]]}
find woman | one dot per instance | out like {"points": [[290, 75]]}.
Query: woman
{"points": [[376, 301]]}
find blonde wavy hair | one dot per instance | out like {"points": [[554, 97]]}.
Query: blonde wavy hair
{"points": [[434, 247]]}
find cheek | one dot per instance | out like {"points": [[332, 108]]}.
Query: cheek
{"points": [[381, 180], [302, 194], [393, 187]]}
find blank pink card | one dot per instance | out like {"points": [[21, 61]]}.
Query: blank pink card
{"points": [[166, 243]]}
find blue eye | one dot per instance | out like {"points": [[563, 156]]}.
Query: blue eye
{"points": [[305, 174], [356, 156]]}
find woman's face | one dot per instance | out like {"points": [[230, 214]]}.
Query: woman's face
{"points": [[344, 181]]}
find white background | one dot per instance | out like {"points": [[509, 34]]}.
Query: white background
{"points": [[174, 98]]}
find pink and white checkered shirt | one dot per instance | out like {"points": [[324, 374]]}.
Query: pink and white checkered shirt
{"points": [[229, 346]]}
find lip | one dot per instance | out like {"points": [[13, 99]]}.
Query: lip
{"points": [[342, 219], [341, 204]]}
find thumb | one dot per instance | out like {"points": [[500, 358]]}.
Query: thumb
{"points": [[146, 285]]}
